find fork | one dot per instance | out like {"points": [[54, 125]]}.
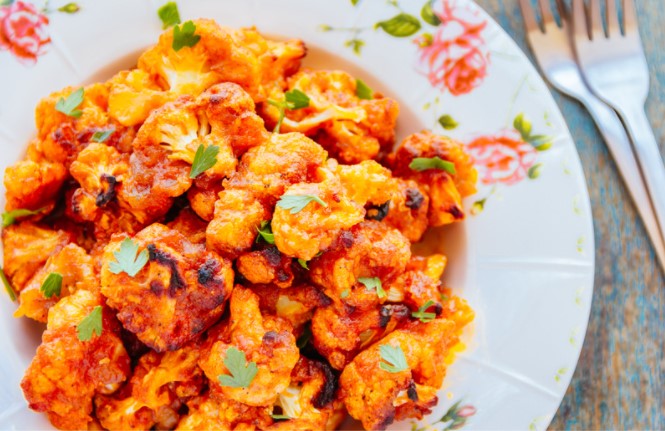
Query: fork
{"points": [[552, 47], [616, 70]]}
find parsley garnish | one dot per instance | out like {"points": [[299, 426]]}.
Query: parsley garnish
{"points": [[424, 163], [294, 99], [102, 136], [169, 15], [9, 218], [204, 159], [295, 203], [265, 232], [242, 372], [68, 106], [280, 417], [183, 35], [363, 91], [372, 283], [422, 314], [395, 361], [52, 285], [303, 263], [92, 323], [127, 261], [8, 287]]}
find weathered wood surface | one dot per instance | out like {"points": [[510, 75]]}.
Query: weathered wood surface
{"points": [[619, 382]]}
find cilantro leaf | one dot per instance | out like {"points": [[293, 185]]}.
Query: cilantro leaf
{"points": [[91, 324], [127, 261], [395, 361], [102, 136], [169, 14], [183, 35], [303, 263], [242, 372], [204, 159], [424, 163], [8, 286], [372, 283], [363, 91], [9, 218], [422, 314], [265, 232], [295, 203], [294, 99], [68, 106], [52, 285]]}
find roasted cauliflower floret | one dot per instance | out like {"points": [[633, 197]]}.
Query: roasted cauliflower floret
{"points": [[59, 136], [26, 247], [351, 129], [283, 160], [216, 413], [158, 388], [66, 372], [368, 182], [99, 169], [167, 143], [308, 401], [190, 225], [222, 54], [339, 332], [277, 60], [133, 95], [369, 249], [238, 215], [377, 396], [77, 270], [420, 283], [295, 304], [266, 266], [305, 233], [178, 294], [32, 185], [408, 208], [445, 191], [265, 340]]}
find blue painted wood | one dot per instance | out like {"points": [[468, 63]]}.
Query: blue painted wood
{"points": [[619, 382]]}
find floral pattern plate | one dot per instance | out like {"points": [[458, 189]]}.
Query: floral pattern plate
{"points": [[523, 258]]}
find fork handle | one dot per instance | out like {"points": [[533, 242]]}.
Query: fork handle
{"points": [[648, 155], [617, 141]]}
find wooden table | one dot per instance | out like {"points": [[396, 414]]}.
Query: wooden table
{"points": [[619, 382]]}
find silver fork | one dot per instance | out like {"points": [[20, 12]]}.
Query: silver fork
{"points": [[616, 70], [553, 49]]}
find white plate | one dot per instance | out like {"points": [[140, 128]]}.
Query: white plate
{"points": [[523, 259]]}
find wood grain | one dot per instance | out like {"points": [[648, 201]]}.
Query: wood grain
{"points": [[619, 382]]}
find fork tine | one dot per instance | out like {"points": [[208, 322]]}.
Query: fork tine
{"points": [[596, 20], [578, 16], [629, 16], [529, 16], [612, 18], [546, 12]]}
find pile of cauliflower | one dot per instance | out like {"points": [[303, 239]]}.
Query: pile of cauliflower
{"points": [[213, 302]]}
